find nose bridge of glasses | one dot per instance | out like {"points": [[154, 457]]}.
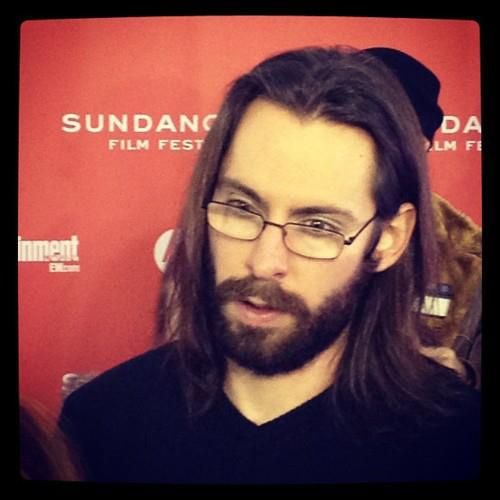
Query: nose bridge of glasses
{"points": [[268, 241], [281, 227], [275, 224]]}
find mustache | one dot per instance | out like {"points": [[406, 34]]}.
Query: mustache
{"points": [[270, 292]]}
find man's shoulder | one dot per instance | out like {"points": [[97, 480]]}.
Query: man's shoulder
{"points": [[456, 407], [154, 361], [129, 382]]}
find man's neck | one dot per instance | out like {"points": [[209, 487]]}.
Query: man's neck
{"points": [[261, 398]]}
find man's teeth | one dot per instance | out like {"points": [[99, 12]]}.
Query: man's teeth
{"points": [[258, 304]]}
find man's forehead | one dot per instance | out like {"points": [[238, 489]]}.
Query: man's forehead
{"points": [[306, 161]]}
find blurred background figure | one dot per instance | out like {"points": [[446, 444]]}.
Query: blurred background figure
{"points": [[45, 453], [454, 305]]}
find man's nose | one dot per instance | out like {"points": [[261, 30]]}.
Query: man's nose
{"points": [[269, 256]]}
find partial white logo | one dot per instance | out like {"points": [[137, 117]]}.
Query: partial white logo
{"points": [[58, 253], [161, 249]]}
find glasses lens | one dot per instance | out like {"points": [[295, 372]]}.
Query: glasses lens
{"points": [[315, 243], [234, 222]]}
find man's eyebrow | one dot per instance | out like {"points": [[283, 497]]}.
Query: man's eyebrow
{"points": [[347, 216], [343, 213], [228, 183]]}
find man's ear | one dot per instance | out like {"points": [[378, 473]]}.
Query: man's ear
{"points": [[395, 237]]}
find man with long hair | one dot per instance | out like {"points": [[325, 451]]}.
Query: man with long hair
{"points": [[289, 305]]}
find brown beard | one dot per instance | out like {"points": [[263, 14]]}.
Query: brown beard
{"points": [[270, 351]]}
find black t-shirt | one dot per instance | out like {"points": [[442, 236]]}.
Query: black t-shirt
{"points": [[130, 425]]}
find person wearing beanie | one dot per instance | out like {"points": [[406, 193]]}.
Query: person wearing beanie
{"points": [[419, 82], [455, 330]]}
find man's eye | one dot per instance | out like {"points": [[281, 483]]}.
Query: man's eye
{"points": [[242, 205], [320, 225]]}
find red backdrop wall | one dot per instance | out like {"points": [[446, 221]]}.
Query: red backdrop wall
{"points": [[112, 114]]}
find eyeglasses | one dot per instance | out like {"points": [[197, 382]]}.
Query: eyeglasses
{"points": [[305, 240]]}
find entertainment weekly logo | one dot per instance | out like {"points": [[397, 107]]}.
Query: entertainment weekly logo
{"points": [[61, 255], [140, 131]]}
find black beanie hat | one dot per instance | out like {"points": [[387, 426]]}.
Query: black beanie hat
{"points": [[419, 82]]}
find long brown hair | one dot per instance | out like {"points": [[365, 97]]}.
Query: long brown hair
{"points": [[380, 362]]}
